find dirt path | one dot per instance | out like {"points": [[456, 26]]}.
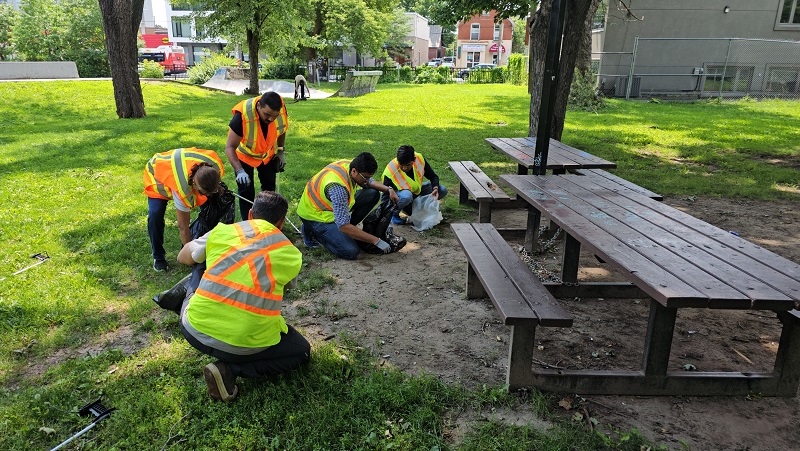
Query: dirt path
{"points": [[409, 309]]}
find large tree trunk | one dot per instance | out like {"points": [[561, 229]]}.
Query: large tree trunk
{"points": [[311, 53], [584, 61], [573, 38], [253, 49], [121, 20]]}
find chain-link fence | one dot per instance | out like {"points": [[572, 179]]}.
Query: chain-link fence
{"points": [[702, 67]]}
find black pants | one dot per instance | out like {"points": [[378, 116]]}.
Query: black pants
{"points": [[267, 176], [300, 91]]}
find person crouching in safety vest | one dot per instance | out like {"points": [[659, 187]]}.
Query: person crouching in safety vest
{"points": [[187, 176], [256, 138], [332, 206], [232, 311], [405, 174]]}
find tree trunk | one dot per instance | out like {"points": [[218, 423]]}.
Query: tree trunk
{"points": [[253, 48], [311, 53], [121, 20], [574, 34], [537, 42], [584, 61]]}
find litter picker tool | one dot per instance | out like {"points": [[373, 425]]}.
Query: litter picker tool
{"points": [[41, 256], [100, 413], [287, 216]]}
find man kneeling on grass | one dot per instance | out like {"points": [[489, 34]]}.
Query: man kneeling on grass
{"points": [[232, 311]]}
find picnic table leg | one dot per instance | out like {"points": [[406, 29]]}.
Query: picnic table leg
{"points": [[522, 169], [572, 251], [520, 356], [787, 362], [531, 235], [474, 287], [484, 212], [658, 342], [463, 194]]}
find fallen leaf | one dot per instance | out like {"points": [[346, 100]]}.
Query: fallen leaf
{"points": [[47, 431], [566, 403]]}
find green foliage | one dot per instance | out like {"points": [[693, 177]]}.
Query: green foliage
{"points": [[91, 63], [8, 19], [151, 69], [406, 74], [272, 70], [583, 94], [38, 35], [427, 74], [205, 69], [517, 69]]}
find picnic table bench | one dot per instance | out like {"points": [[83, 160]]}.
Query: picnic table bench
{"points": [[560, 157], [474, 182], [495, 270], [676, 260]]}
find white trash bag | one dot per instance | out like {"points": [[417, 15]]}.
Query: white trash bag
{"points": [[425, 213]]}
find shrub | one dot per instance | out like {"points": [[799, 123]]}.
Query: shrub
{"points": [[91, 63], [272, 70], [496, 75], [205, 69], [517, 69], [427, 74], [406, 74], [391, 73], [583, 94], [151, 69]]}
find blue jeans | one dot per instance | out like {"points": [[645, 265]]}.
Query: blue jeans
{"points": [[328, 233], [156, 208], [407, 197]]}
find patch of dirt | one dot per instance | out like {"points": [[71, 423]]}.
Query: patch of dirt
{"points": [[409, 309]]}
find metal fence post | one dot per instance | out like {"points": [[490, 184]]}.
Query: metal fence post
{"points": [[725, 68], [630, 73]]}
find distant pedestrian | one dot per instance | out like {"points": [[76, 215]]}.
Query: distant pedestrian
{"points": [[301, 88]]}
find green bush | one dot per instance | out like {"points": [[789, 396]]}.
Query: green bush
{"points": [[91, 63], [151, 69], [583, 94], [272, 70], [390, 73], [205, 69], [517, 69], [406, 74], [426, 74], [497, 75]]}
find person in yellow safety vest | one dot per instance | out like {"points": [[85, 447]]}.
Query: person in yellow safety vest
{"points": [[232, 310], [332, 206], [405, 174], [187, 176], [256, 138]]}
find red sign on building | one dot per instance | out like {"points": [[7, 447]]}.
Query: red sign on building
{"points": [[493, 48]]}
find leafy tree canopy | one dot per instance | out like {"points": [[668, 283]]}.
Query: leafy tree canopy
{"points": [[8, 19]]}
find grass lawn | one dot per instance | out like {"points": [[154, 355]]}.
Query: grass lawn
{"points": [[82, 325]]}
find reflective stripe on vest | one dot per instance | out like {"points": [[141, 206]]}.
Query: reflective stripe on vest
{"points": [[254, 148], [168, 172], [314, 205], [401, 180], [239, 286]]}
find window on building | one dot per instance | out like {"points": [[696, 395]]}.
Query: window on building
{"points": [[181, 27], [496, 31], [788, 14], [783, 80], [728, 79], [475, 31], [473, 58]]}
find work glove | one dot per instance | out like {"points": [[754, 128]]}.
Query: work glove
{"points": [[383, 245], [281, 160], [242, 178]]}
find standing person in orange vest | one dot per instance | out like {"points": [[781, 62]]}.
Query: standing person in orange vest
{"points": [[256, 137], [187, 176], [232, 310]]}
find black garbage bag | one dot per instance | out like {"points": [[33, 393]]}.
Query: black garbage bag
{"points": [[377, 223], [219, 207]]}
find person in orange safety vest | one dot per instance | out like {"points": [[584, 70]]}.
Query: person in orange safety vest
{"points": [[187, 176], [256, 138]]}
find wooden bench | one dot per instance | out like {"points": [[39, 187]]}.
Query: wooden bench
{"points": [[496, 271], [611, 181], [472, 181]]}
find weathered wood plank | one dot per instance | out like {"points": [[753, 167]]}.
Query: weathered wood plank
{"points": [[468, 181], [613, 182]]}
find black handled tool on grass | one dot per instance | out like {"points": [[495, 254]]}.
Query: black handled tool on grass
{"points": [[98, 410]]}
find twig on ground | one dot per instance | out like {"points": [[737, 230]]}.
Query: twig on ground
{"points": [[169, 439], [540, 362]]}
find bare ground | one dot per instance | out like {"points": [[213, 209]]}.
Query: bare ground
{"points": [[410, 310]]}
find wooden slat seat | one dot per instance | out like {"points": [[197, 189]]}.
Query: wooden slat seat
{"points": [[523, 302], [473, 182]]}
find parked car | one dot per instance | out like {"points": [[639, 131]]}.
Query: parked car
{"points": [[449, 59], [449, 65], [435, 62], [464, 73]]}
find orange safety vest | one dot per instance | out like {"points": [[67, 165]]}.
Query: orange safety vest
{"points": [[254, 149], [168, 172], [237, 306], [401, 180]]}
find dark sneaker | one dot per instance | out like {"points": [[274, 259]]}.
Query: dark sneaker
{"points": [[160, 265], [221, 382]]}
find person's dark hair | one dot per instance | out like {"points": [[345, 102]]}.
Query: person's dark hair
{"points": [[364, 162], [405, 154], [271, 99], [206, 176], [270, 206]]}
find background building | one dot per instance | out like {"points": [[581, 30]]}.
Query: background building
{"points": [[477, 40]]}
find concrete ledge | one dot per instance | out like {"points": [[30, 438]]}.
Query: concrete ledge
{"points": [[38, 69]]}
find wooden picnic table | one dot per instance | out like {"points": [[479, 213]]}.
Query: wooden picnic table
{"points": [[676, 260], [560, 157]]}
